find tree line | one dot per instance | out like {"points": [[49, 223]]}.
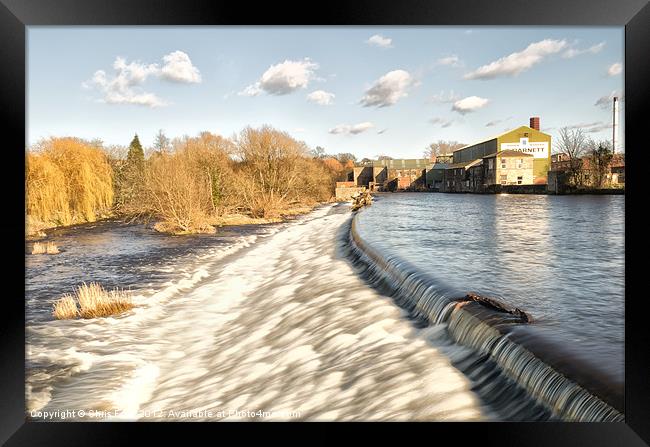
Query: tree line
{"points": [[584, 156], [186, 184]]}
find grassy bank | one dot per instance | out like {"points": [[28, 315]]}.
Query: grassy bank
{"points": [[191, 185]]}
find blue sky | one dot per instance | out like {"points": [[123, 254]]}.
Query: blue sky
{"points": [[379, 90]]}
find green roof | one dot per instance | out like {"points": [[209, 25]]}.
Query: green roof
{"points": [[404, 163]]}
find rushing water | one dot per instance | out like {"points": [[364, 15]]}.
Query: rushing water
{"points": [[284, 325], [333, 318], [560, 258]]}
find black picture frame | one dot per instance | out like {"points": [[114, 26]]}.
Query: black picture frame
{"points": [[16, 15]]}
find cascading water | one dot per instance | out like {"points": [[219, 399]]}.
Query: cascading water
{"points": [[282, 320], [534, 389]]}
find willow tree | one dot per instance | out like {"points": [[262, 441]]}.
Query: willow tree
{"points": [[68, 181]]}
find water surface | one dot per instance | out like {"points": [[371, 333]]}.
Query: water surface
{"points": [[561, 258]]}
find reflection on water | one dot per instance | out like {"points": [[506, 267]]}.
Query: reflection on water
{"points": [[561, 258]]}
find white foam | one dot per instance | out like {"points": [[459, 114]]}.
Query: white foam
{"points": [[286, 324]]}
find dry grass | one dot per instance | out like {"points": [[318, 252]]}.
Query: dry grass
{"points": [[93, 302], [65, 308], [41, 248]]}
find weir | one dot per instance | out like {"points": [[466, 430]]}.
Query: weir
{"points": [[525, 376]]}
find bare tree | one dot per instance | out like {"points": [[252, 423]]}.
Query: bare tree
{"points": [[161, 143], [572, 142], [344, 157], [270, 168], [318, 152], [441, 147], [600, 158]]}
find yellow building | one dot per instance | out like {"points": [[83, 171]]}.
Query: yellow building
{"points": [[526, 139]]}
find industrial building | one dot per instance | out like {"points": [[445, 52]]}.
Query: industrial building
{"points": [[392, 175], [521, 156]]}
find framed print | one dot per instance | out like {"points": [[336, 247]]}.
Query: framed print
{"points": [[371, 212]]}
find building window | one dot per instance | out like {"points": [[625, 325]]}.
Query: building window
{"points": [[520, 180], [503, 163], [504, 179]]}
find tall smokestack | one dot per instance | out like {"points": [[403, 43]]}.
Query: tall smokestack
{"points": [[534, 122], [614, 124]]}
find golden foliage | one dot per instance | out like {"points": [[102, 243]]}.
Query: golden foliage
{"points": [[93, 301], [269, 170], [47, 197], [68, 181], [262, 173], [189, 186]]}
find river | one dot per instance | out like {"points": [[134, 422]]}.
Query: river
{"points": [[560, 258], [277, 322]]}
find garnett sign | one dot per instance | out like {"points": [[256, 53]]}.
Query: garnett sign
{"points": [[538, 150]]}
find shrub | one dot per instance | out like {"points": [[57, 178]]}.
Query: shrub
{"points": [[269, 169], [65, 308], [40, 248], [93, 302], [189, 187]]}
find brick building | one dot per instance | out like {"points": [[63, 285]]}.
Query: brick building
{"points": [[390, 175]]}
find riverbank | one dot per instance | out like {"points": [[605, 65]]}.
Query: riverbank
{"points": [[35, 231]]}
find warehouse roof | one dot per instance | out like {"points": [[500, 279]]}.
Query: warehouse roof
{"points": [[494, 137], [403, 163], [464, 164]]}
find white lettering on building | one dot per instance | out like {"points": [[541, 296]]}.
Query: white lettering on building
{"points": [[537, 149]]}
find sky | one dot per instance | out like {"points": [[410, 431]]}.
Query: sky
{"points": [[365, 90]]}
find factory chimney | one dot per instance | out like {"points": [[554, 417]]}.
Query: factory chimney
{"points": [[534, 122], [614, 124]]}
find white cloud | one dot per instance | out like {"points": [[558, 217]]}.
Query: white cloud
{"points": [[594, 127], [251, 90], [124, 86], [283, 78], [573, 52], [380, 41], [605, 102], [444, 98], [615, 69], [443, 122], [497, 121], [178, 68], [354, 129], [469, 104], [321, 97], [452, 61], [515, 63], [388, 89]]}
